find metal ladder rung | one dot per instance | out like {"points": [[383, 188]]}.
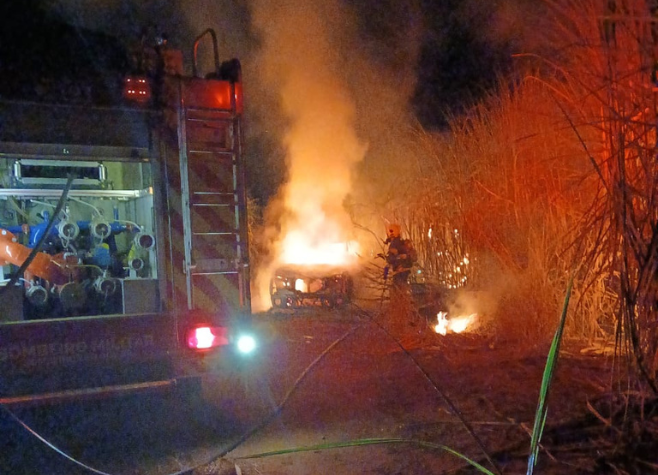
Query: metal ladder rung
{"points": [[214, 234], [224, 153], [217, 120], [215, 273], [213, 205], [221, 149]]}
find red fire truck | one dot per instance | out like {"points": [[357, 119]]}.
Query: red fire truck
{"points": [[123, 233]]}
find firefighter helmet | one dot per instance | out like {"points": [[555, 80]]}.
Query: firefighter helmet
{"points": [[393, 230]]}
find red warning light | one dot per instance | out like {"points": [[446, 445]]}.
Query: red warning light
{"points": [[203, 338], [137, 89]]}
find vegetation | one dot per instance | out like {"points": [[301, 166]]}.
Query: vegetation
{"points": [[555, 175]]}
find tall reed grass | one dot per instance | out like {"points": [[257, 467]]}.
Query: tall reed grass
{"points": [[495, 206], [608, 88]]}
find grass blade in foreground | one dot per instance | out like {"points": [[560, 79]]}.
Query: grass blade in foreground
{"points": [[542, 406]]}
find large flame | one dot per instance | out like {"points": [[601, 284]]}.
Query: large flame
{"points": [[301, 57], [317, 239], [299, 249]]}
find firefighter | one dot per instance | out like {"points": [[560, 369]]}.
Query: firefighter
{"points": [[399, 256]]}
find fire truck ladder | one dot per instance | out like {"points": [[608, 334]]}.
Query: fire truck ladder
{"points": [[213, 201]]}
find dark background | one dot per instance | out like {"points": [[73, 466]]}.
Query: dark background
{"points": [[455, 67], [43, 51]]}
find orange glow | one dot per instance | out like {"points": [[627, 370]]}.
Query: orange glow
{"points": [[212, 93], [458, 324], [461, 324]]}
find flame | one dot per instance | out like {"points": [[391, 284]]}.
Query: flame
{"points": [[442, 325], [301, 249], [300, 285], [315, 232], [454, 324], [313, 227]]}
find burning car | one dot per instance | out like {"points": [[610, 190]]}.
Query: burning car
{"points": [[308, 286]]}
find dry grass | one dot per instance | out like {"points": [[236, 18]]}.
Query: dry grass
{"points": [[551, 176], [498, 200], [607, 88]]}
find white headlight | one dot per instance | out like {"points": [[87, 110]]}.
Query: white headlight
{"points": [[246, 344]]}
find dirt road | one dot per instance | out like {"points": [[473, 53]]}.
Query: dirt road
{"points": [[459, 391], [326, 378]]}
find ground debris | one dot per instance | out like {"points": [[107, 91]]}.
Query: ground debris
{"points": [[600, 347], [219, 466], [620, 438]]}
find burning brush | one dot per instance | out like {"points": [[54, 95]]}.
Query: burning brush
{"points": [[458, 324]]}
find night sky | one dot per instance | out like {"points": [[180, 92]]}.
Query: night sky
{"points": [[455, 63], [456, 66]]}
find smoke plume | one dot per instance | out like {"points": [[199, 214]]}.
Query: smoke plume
{"points": [[301, 56]]}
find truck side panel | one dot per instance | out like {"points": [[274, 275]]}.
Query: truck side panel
{"points": [[72, 354], [153, 238]]}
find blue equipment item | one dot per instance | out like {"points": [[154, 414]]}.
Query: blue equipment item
{"points": [[101, 256], [36, 230]]}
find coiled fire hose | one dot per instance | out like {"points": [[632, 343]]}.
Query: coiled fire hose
{"points": [[60, 204]]}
